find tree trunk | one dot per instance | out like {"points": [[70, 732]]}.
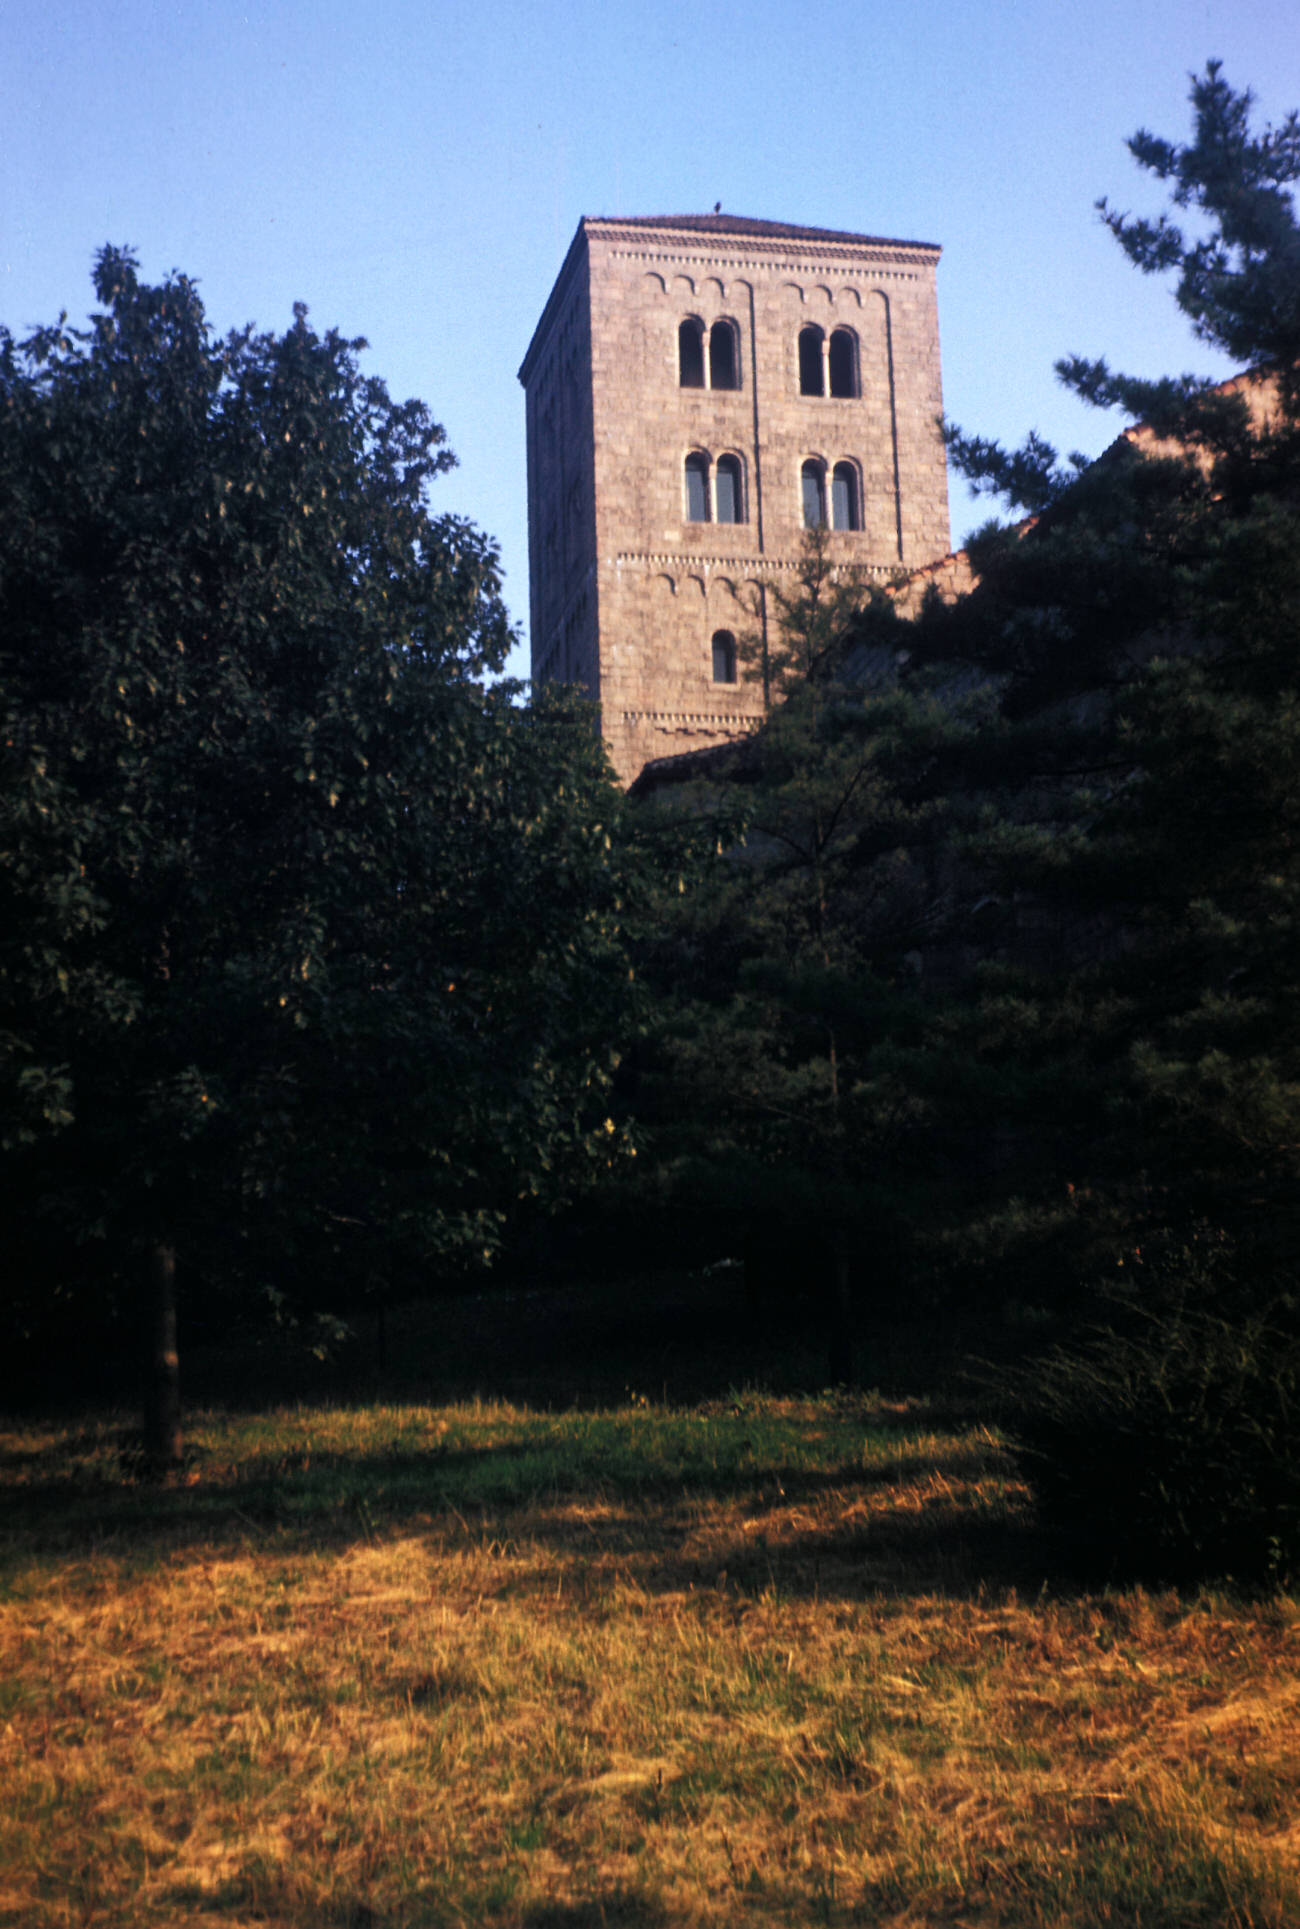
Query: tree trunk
{"points": [[162, 1405]]}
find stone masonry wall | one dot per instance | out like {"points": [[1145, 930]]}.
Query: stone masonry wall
{"points": [[631, 605]]}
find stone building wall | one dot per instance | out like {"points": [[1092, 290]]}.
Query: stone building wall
{"points": [[628, 593]]}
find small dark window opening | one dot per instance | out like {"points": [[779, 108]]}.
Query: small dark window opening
{"points": [[810, 361], [727, 486], [724, 657], [843, 363], [814, 496], [690, 353], [724, 363], [845, 513], [697, 488]]}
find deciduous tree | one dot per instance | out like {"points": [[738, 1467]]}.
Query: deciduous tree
{"points": [[308, 942]]}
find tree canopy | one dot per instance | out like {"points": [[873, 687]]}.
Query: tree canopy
{"points": [[1237, 271], [1145, 639], [308, 941], [1001, 995]]}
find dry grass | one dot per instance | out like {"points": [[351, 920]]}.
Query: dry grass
{"points": [[757, 1662]]}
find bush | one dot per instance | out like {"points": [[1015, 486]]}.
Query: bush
{"points": [[1170, 1452]]}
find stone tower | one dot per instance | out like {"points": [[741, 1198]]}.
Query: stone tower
{"points": [[700, 388]]}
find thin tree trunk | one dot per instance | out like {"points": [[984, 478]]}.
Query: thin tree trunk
{"points": [[162, 1407]]}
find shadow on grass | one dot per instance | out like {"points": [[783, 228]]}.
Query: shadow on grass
{"points": [[18, 1462], [896, 1527], [579, 1482], [619, 1909]]}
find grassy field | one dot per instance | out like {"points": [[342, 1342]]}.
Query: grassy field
{"points": [[764, 1658]]}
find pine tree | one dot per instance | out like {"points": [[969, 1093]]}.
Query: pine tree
{"points": [[785, 976], [1144, 636]]}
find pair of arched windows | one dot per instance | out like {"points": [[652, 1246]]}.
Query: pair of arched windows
{"points": [[846, 495], [723, 360], [724, 657], [714, 493], [828, 367]]}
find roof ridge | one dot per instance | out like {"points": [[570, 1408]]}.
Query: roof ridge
{"points": [[743, 224]]}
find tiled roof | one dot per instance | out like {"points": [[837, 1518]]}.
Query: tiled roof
{"points": [[743, 224]]}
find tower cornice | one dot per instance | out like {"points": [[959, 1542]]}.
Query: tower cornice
{"points": [[726, 241], [761, 235]]}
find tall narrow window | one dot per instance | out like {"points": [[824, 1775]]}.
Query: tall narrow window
{"points": [[810, 361], [697, 488], [727, 489], [690, 353], [814, 495], [724, 362], [846, 512], [843, 361], [724, 657]]}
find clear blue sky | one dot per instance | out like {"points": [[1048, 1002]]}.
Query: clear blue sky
{"points": [[414, 170]]}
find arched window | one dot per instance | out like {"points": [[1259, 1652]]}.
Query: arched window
{"points": [[724, 361], [814, 495], [727, 489], [846, 510], [810, 361], [697, 487], [724, 657], [690, 353], [843, 362]]}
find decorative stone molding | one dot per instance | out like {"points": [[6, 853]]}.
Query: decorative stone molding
{"points": [[626, 594]]}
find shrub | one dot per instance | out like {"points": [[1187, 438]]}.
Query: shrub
{"points": [[1170, 1451]]}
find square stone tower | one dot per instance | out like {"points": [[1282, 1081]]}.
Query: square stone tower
{"points": [[701, 388]]}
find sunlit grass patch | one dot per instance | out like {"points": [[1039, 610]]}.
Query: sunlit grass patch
{"points": [[760, 1661]]}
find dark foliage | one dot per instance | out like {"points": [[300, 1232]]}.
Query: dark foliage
{"points": [[1146, 640], [1170, 1451], [309, 956]]}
